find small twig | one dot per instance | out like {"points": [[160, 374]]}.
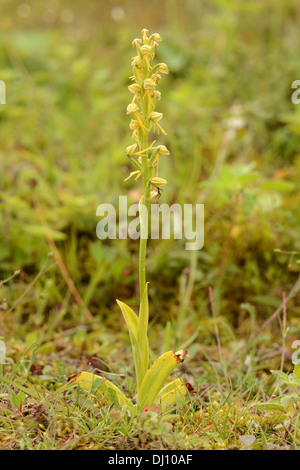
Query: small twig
{"points": [[211, 299], [277, 312], [4, 281], [43, 270], [283, 330], [186, 296], [269, 355], [223, 363]]}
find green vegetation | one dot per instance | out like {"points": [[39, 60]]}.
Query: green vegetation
{"points": [[233, 136]]}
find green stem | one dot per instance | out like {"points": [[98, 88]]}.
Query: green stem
{"points": [[145, 200], [144, 219]]}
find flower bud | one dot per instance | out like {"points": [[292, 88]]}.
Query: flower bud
{"points": [[132, 108], [133, 125], [156, 95], [145, 34], [155, 37], [155, 117], [149, 84], [136, 62], [162, 150], [157, 181], [134, 88], [136, 42], [163, 68], [131, 149], [146, 49]]}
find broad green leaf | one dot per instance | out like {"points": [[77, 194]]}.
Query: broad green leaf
{"points": [[281, 403], [157, 375], [294, 380], [131, 320], [274, 404], [17, 399], [281, 376], [288, 400], [290, 379], [113, 397], [138, 361], [100, 387], [171, 386], [174, 393]]}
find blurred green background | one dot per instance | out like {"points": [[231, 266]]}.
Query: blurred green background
{"points": [[233, 134]]}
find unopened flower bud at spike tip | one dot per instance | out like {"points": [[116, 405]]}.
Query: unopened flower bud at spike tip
{"points": [[145, 33], [156, 37]]}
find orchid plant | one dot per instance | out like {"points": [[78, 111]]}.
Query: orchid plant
{"points": [[151, 387]]}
